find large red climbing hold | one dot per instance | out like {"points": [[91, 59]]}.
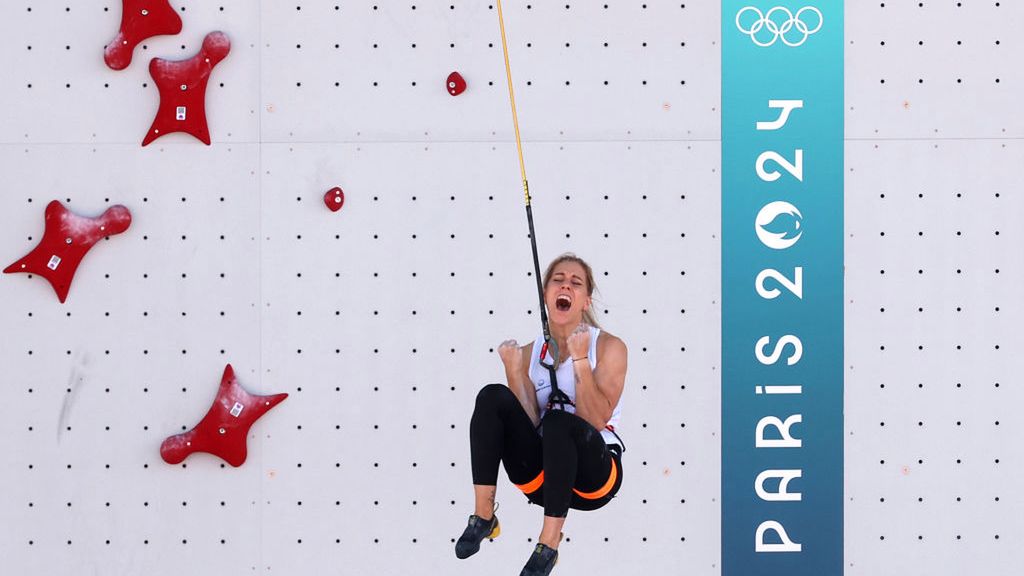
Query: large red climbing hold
{"points": [[66, 239], [182, 85], [140, 19], [225, 428], [455, 83]]}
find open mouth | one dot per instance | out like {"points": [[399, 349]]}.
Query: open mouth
{"points": [[563, 303]]}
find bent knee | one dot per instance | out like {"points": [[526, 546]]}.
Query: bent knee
{"points": [[494, 395]]}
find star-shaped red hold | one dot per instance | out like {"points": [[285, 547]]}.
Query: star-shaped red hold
{"points": [[182, 85], [140, 19], [225, 428], [66, 240]]}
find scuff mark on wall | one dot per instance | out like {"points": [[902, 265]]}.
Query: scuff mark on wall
{"points": [[76, 380]]}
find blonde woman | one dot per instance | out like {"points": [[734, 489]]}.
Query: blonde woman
{"points": [[561, 456]]}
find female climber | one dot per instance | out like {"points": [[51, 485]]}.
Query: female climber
{"points": [[560, 449]]}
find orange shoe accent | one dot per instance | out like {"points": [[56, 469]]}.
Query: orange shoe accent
{"points": [[603, 490], [533, 485]]}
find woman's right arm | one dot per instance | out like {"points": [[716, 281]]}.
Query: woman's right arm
{"points": [[517, 367]]}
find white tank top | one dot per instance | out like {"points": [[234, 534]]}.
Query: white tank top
{"points": [[567, 381]]}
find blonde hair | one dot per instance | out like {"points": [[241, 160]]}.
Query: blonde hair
{"points": [[588, 314]]}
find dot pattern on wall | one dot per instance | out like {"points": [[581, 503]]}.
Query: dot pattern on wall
{"points": [[932, 304]]}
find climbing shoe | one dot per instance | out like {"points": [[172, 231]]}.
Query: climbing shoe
{"points": [[476, 531], [541, 561]]}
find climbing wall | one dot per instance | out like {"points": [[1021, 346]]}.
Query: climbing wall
{"points": [[380, 320], [933, 269]]}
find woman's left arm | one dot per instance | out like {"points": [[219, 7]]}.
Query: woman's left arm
{"points": [[598, 390]]}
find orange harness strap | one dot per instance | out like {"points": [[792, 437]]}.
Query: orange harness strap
{"points": [[535, 484], [603, 490]]}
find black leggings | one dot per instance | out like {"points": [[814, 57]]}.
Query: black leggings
{"points": [[576, 464]]}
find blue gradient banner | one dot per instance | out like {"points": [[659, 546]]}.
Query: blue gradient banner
{"points": [[782, 288]]}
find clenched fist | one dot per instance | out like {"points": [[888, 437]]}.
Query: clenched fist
{"points": [[579, 341], [511, 354]]}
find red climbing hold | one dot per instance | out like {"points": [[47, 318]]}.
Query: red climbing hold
{"points": [[225, 428], [66, 239], [182, 86], [456, 84], [334, 198], [140, 19]]}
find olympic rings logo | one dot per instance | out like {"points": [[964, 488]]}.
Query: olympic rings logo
{"points": [[778, 24]]}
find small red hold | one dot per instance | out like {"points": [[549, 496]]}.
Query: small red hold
{"points": [[456, 84], [334, 199], [140, 19], [66, 239], [182, 86], [225, 428]]}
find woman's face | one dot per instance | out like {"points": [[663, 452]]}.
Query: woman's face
{"points": [[566, 293]]}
